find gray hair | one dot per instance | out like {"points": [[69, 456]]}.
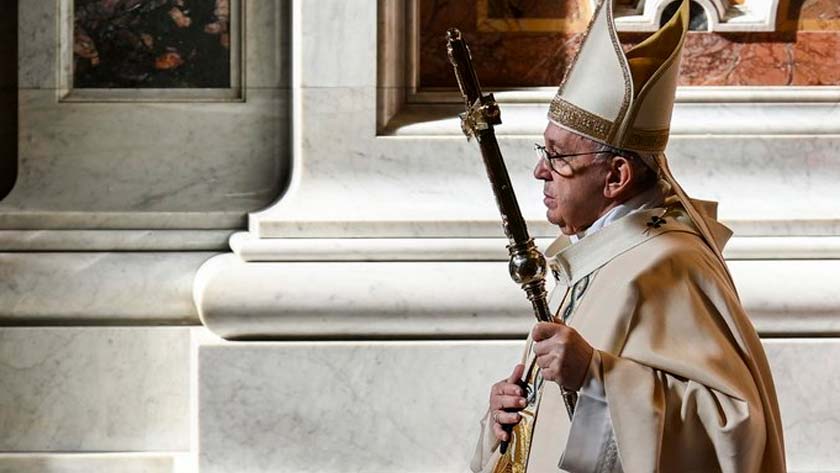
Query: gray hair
{"points": [[644, 163]]}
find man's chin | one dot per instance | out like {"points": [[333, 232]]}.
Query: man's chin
{"points": [[565, 229]]}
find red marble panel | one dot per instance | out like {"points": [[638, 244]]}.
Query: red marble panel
{"points": [[810, 58], [718, 60], [530, 9], [804, 51], [817, 59], [502, 58], [825, 10]]}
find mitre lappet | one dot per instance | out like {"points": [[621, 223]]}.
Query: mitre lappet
{"points": [[625, 100]]}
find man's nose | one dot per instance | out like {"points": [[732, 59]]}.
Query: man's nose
{"points": [[542, 171]]}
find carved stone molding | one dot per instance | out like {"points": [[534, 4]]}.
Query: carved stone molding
{"points": [[721, 15], [349, 300]]}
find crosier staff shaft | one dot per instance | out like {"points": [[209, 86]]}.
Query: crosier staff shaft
{"points": [[527, 265]]}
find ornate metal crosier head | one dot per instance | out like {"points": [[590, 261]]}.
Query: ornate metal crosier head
{"points": [[482, 112]]}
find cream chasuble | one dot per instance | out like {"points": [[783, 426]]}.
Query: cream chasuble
{"points": [[679, 383]]}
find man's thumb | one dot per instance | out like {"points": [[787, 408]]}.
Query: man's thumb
{"points": [[516, 376]]}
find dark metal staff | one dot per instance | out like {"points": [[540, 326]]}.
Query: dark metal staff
{"points": [[527, 265]]}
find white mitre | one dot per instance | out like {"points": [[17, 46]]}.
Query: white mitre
{"points": [[625, 100], [622, 99]]}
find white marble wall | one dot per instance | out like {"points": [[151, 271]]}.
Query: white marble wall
{"points": [[414, 406], [807, 379], [330, 407], [98, 287], [69, 389], [95, 463]]}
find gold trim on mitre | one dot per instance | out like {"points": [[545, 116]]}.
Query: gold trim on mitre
{"points": [[650, 141], [580, 120], [629, 94]]}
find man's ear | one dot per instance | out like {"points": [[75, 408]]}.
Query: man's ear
{"points": [[619, 179]]}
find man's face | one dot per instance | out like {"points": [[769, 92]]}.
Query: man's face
{"points": [[575, 195]]}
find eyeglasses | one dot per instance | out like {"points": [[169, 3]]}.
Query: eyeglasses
{"points": [[560, 163]]}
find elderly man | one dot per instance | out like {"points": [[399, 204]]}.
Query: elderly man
{"points": [[670, 374]]}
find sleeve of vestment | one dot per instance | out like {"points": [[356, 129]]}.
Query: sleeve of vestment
{"points": [[486, 450], [487, 444], [591, 446], [681, 395]]}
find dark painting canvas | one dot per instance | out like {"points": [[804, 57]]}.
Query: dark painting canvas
{"points": [[151, 44]]}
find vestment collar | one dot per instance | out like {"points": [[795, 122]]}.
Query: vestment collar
{"points": [[570, 263], [650, 198]]}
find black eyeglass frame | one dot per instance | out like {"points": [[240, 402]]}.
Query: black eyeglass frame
{"points": [[544, 154]]}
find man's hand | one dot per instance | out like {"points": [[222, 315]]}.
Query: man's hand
{"points": [[506, 397], [562, 354]]}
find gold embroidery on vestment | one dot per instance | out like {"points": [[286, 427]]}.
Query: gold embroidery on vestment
{"points": [[515, 460]]}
